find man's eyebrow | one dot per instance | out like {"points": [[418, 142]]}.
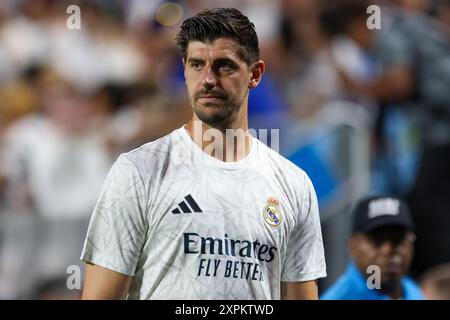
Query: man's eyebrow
{"points": [[225, 61], [216, 61], [197, 60]]}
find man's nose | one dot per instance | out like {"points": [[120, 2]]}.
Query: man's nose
{"points": [[388, 247], [210, 78]]}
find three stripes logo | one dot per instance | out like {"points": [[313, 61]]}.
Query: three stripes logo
{"points": [[188, 205]]}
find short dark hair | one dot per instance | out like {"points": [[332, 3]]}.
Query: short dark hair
{"points": [[211, 24], [336, 16]]}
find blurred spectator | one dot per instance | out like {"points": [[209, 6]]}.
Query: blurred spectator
{"points": [[25, 38], [16, 100], [345, 44], [435, 283], [382, 236], [414, 53], [151, 113], [420, 44], [70, 102], [100, 52], [55, 162], [299, 40]]}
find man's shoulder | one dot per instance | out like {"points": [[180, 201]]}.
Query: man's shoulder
{"points": [[280, 163], [349, 286], [152, 155], [156, 149], [412, 288], [340, 290]]}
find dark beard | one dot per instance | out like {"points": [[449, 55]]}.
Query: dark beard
{"points": [[222, 117], [391, 287], [219, 118]]}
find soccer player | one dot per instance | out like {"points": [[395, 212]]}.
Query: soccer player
{"points": [[174, 221]]}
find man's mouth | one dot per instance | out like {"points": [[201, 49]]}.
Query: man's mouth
{"points": [[211, 98], [394, 265]]}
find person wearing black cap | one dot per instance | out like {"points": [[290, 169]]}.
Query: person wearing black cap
{"points": [[381, 245]]}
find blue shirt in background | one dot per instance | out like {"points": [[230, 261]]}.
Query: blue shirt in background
{"points": [[353, 286]]}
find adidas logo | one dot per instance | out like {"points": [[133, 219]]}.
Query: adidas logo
{"points": [[188, 206]]}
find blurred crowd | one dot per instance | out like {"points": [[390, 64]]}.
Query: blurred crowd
{"points": [[72, 100]]}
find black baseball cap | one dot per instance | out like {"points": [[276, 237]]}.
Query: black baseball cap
{"points": [[377, 211]]}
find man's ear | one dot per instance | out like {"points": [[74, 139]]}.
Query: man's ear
{"points": [[352, 244], [257, 70]]}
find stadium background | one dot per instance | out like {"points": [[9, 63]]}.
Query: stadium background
{"points": [[72, 100]]}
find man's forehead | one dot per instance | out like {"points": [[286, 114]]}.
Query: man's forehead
{"points": [[222, 47]]}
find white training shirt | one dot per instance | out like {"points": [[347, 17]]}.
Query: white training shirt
{"points": [[186, 225]]}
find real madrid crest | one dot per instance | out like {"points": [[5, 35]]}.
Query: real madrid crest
{"points": [[272, 214]]}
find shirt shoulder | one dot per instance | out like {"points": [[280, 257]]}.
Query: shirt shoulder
{"points": [[349, 286], [291, 178], [412, 289], [277, 162], [340, 290], [156, 154]]}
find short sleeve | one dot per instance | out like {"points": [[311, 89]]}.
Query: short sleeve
{"points": [[118, 226], [305, 258]]}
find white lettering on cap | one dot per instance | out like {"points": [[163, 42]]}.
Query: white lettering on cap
{"points": [[384, 206]]}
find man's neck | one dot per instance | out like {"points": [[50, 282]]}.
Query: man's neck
{"points": [[229, 144], [393, 289]]}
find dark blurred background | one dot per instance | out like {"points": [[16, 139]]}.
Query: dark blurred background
{"points": [[361, 111]]}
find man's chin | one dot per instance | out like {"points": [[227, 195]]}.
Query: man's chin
{"points": [[215, 121], [390, 278], [213, 115]]}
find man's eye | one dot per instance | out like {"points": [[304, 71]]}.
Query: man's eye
{"points": [[226, 67], [195, 65]]}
